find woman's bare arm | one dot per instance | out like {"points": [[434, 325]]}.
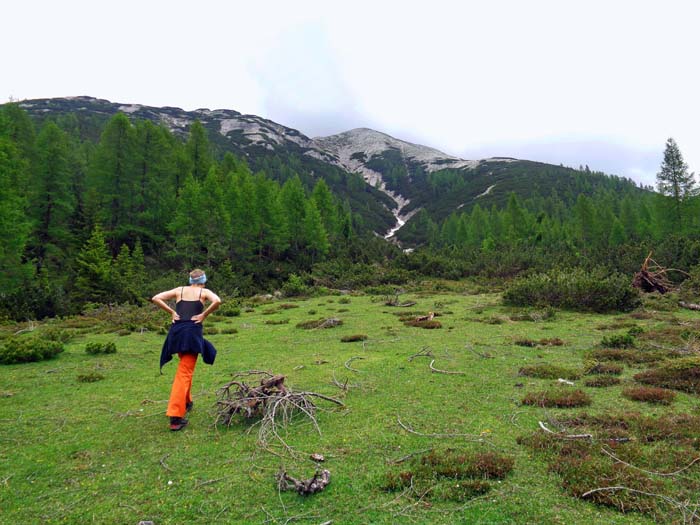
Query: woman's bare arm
{"points": [[215, 303], [160, 299]]}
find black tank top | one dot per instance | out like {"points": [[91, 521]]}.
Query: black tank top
{"points": [[186, 309]]}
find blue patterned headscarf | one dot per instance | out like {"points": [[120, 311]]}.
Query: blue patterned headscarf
{"points": [[199, 280]]}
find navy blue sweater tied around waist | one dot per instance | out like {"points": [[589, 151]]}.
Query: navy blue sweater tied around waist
{"points": [[186, 337]]}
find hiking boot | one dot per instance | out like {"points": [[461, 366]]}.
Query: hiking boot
{"points": [[188, 406], [177, 423]]}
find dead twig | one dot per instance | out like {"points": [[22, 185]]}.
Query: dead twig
{"points": [[164, 464], [407, 456], [562, 435], [653, 473], [347, 363], [483, 355], [470, 437], [438, 371], [198, 483], [424, 352]]}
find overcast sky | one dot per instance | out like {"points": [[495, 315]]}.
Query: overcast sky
{"points": [[602, 83]]}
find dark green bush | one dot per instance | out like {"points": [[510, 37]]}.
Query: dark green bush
{"points": [[28, 349], [576, 289], [101, 348], [229, 310]]}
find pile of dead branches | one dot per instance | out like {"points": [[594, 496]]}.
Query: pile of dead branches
{"points": [[652, 277], [271, 401]]}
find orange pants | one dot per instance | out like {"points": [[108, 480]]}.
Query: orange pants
{"points": [[181, 393]]}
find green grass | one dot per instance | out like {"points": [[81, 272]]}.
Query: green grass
{"points": [[73, 452]]}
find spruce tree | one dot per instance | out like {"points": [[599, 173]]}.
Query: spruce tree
{"points": [[94, 281]]}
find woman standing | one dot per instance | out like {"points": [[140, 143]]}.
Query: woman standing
{"points": [[186, 340]]}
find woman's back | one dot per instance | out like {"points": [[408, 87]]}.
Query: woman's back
{"points": [[186, 308]]}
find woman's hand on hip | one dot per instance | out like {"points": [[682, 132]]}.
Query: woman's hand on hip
{"points": [[198, 318], [176, 317]]}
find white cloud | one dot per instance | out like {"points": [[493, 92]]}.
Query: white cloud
{"points": [[616, 78]]}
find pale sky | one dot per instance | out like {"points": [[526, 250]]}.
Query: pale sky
{"points": [[602, 83]]}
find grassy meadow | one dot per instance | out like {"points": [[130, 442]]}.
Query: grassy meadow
{"points": [[101, 452]]}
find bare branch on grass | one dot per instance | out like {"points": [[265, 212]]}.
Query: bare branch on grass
{"points": [[653, 473], [438, 371], [347, 363]]}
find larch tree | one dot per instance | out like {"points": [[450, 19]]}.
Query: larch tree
{"points": [[52, 201], [675, 181]]}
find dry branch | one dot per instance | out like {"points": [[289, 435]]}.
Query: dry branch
{"points": [[564, 436], [304, 487], [424, 352], [410, 430], [653, 473], [438, 371], [689, 306], [347, 363], [271, 401]]}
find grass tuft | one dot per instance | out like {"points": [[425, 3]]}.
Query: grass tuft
{"points": [[650, 394]]}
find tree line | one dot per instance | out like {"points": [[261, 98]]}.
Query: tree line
{"points": [[84, 219]]}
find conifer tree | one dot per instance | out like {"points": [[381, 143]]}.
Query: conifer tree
{"points": [[13, 221], [198, 151], [315, 236], [674, 181], [51, 198], [294, 205], [323, 199], [113, 180], [94, 280]]}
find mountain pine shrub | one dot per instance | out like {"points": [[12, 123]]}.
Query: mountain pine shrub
{"points": [[574, 289]]}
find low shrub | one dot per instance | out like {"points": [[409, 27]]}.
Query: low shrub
{"points": [[352, 338], [427, 324], [295, 286], [229, 330], [276, 321], [525, 342], [630, 357], [618, 341], [210, 330], [604, 368], [287, 306], [53, 333], [577, 289], [650, 394], [101, 348], [229, 309], [545, 371], [90, 377], [450, 474], [555, 341], [680, 374], [602, 381], [344, 300], [28, 349], [559, 398]]}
